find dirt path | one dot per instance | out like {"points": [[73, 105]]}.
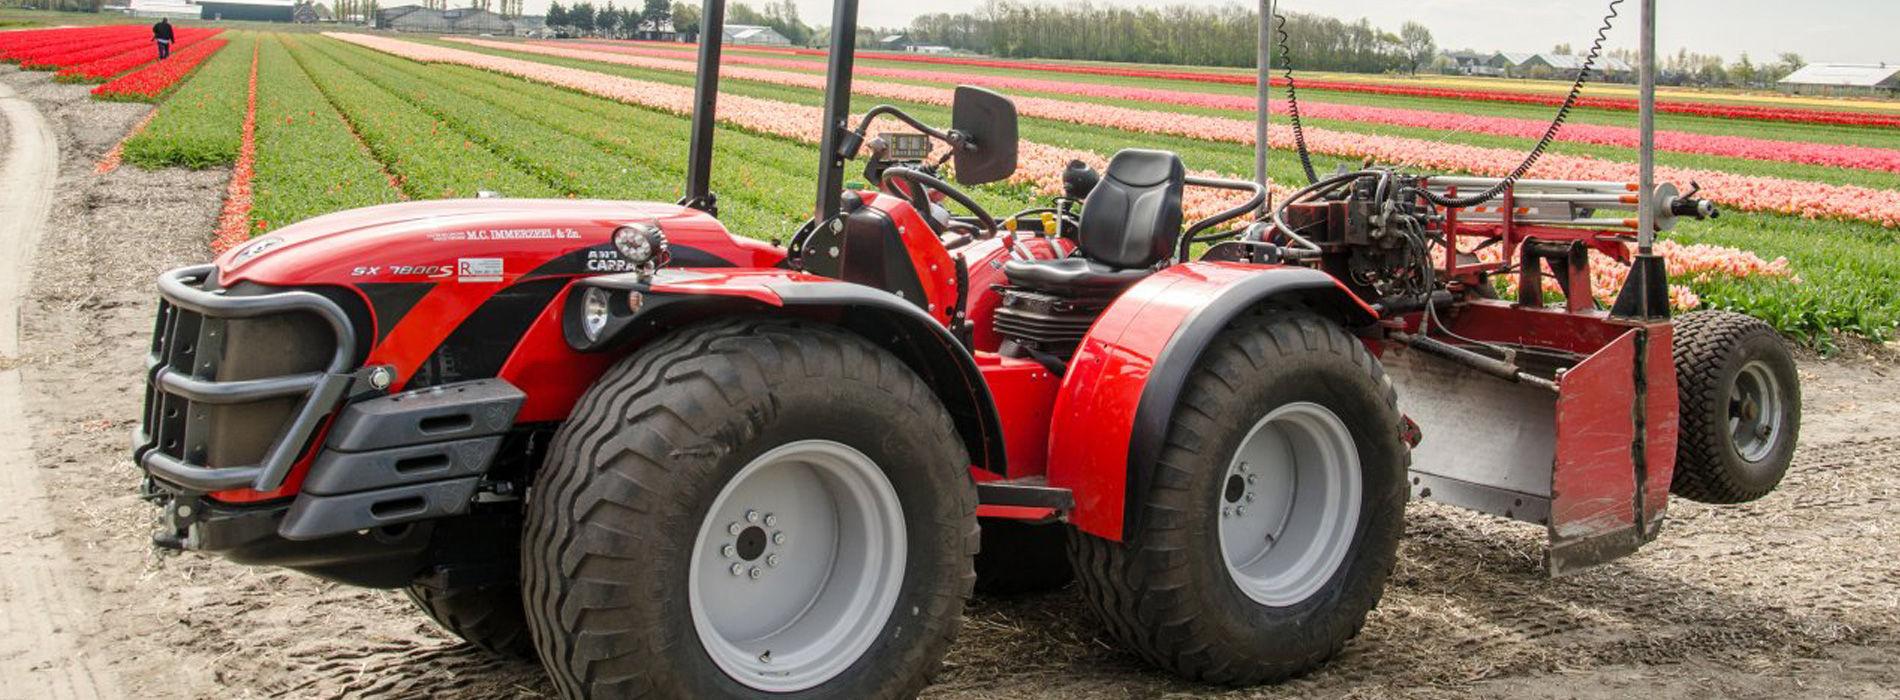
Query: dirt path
{"points": [[41, 613], [1797, 595]]}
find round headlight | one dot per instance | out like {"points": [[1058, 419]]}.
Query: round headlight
{"points": [[594, 312], [640, 243]]}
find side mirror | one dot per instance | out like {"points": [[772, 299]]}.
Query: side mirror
{"points": [[987, 122]]}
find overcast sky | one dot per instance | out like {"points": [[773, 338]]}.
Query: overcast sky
{"points": [[1860, 31]]}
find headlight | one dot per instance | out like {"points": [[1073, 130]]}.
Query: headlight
{"points": [[641, 244], [594, 312]]}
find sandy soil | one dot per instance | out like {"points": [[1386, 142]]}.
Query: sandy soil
{"points": [[1796, 595]]}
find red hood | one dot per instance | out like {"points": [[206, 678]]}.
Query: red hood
{"points": [[475, 240]]}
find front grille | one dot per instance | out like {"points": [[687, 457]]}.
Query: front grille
{"points": [[237, 383]]}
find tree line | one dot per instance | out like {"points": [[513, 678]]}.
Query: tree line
{"points": [[1174, 34]]}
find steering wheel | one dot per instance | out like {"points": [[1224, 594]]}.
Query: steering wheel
{"points": [[918, 180]]}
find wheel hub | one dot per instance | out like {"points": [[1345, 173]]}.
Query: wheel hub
{"points": [[1289, 504], [1755, 412], [784, 614]]}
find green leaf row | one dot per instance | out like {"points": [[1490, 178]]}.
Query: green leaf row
{"points": [[308, 161]]}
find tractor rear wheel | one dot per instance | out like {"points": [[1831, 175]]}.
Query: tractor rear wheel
{"points": [[751, 509], [1273, 516], [489, 617], [1741, 407]]}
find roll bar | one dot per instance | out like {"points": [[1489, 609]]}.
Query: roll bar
{"points": [[844, 45]]}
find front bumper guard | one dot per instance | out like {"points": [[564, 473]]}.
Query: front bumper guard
{"points": [[182, 290]]}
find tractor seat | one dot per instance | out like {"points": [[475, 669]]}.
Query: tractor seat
{"points": [[1072, 277], [1130, 223]]}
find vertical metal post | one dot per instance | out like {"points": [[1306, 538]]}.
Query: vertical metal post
{"points": [[712, 35], [844, 46], [1646, 177], [1264, 95]]}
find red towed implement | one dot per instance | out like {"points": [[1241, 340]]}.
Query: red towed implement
{"points": [[671, 461]]}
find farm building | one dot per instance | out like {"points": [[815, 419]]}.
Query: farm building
{"points": [[469, 20], [461, 20], [1471, 63], [1845, 79], [894, 42], [249, 10], [1554, 65], [755, 35], [173, 9], [411, 18]]}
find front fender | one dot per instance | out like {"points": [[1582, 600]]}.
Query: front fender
{"points": [[674, 298], [1118, 397]]}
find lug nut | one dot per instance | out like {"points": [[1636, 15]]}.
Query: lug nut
{"points": [[737, 569], [1240, 511], [778, 538], [771, 520], [756, 573], [1253, 478], [771, 560], [1249, 497], [734, 529], [751, 516], [726, 551]]}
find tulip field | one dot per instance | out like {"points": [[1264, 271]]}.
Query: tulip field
{"points": [[121, 57], [311, 123]]}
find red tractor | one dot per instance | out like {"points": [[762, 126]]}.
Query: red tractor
{"points": [[675, 462]]}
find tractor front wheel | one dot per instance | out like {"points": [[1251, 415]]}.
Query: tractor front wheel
{"points": [[1741, 407], [1273, 516], [751, 509]]}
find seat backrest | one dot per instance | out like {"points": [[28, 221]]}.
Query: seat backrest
{"points": [[1133, 218]]}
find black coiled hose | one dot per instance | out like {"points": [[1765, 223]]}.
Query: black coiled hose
{"points": [[1550, 135], [1293, 100]]}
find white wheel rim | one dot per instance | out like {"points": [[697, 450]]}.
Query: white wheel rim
{"points": [[1289, 504], [797, 566], [1754, 412]]}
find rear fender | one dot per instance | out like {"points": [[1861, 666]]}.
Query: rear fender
{"points": [[673, 299], [1119, 394]]}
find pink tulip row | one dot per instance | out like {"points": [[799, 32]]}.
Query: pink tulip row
{"points": [[1698, 262], [1749, 192], [1831, 155], [1039, 166]]}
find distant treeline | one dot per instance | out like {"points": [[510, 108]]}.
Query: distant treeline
{"points": [[1176, 34]]}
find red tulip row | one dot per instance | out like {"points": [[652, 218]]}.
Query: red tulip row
{"points": [[27, 46], [149, 83], [1702, 109], [103, 66]]}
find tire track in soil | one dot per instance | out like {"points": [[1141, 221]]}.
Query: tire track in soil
{"points": [[1469, 602]]}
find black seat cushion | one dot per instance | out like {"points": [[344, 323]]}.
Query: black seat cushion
{"points": [[1072, 277], [1130, 223]]}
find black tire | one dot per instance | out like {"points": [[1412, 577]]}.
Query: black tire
{"points": [[1711, 350], [1166, 592], [630, 477], [1019, 558], [491, 618]]}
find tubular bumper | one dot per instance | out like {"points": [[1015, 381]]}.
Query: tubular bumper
{"points": [[181, 380]]}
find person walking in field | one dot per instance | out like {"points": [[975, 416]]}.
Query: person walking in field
{"points": [[162, 35]]}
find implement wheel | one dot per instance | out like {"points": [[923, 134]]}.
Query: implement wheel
{"points": [[751, 509], [1274, 514], [1741, 407]]}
